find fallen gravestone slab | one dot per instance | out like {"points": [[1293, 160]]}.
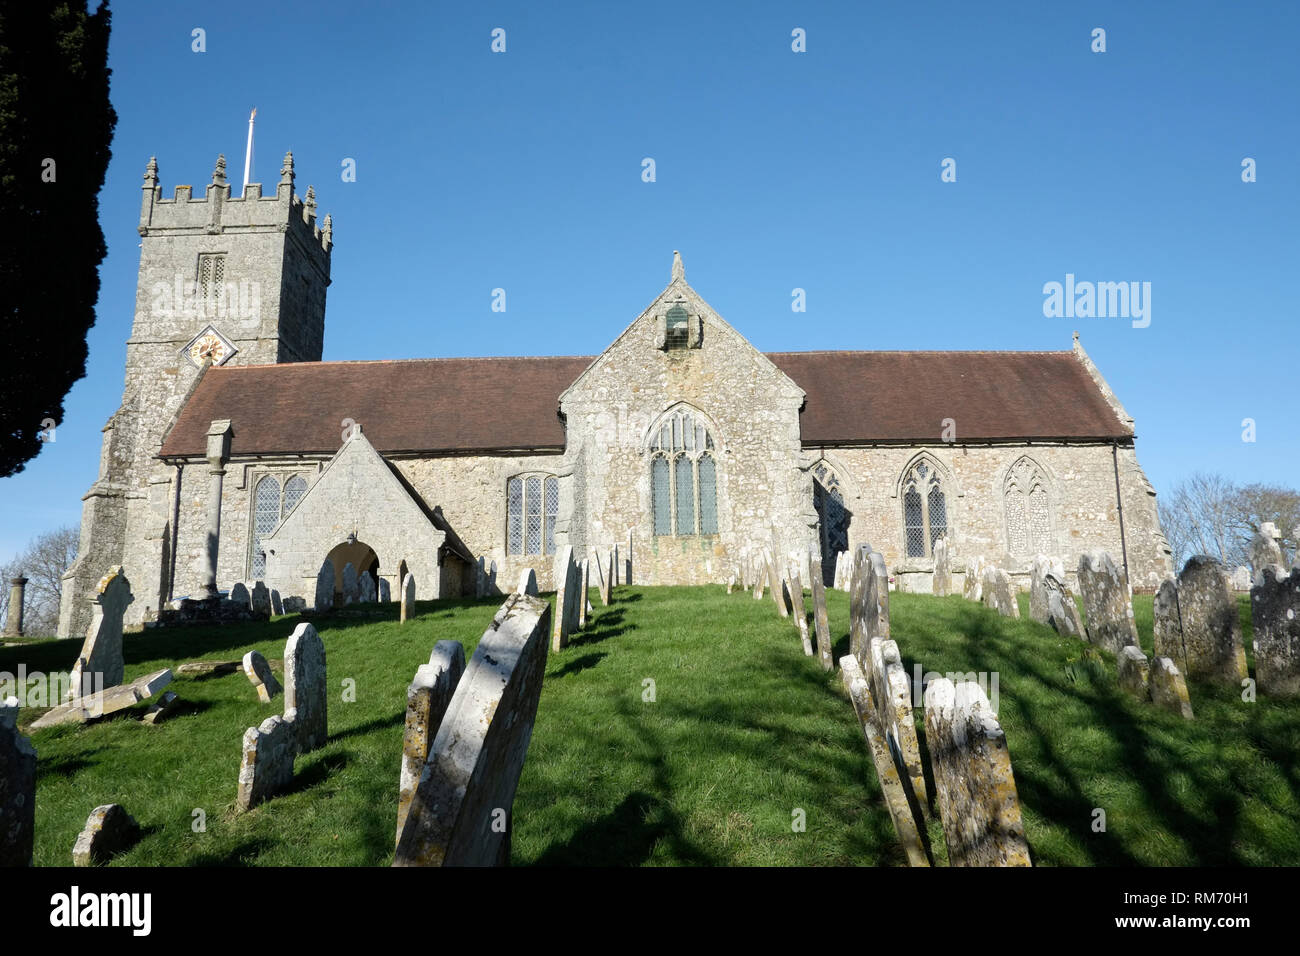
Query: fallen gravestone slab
{"points": [[259, 675], [110, 830], [427, 700], [159, 711], [106, 702], [210, 667]]}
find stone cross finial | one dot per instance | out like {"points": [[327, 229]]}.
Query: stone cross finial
{"points": [[219, 173], [151, 172], [679, 270], [286, 170]]}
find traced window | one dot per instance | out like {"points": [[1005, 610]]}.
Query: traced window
{"points": [[925, 509], [270, 507], [832, 517], [1024, 495], [532, 508], [683, 477]]}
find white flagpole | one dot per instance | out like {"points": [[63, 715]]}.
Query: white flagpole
{"points": [[248, 153]]}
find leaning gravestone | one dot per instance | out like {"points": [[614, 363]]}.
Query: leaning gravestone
{"points": [[459, 815], [1134, 672], [862, 607], [800, 615], [1051, 601], [584, 585], [324, 587], [1210, 621], [260, 599], [427, 700], [239, 595], [776, 586], [1265, 552], [892, 692], [408, 598], [999, 593], [941, 580], [527, 582], [267, 764], [1106, 602], [305, 690], [385, 590], [972, 588], [351, 586], [1167, 624], [110, 830], [821, 626], [366, 589], [260, 676], [975, 789], [17, 789], [1168, 689], [1275, 614], [277, 605], [99, 665]]}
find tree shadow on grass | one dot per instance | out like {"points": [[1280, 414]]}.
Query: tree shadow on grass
{"points": [[392, 720], [626, 836], [577, 665], [317, 772], [242, 854]]}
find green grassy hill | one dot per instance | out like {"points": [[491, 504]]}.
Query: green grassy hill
{"points": [[742, 732]]}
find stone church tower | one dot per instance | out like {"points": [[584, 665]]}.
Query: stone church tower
{"points": [[224, 281]]}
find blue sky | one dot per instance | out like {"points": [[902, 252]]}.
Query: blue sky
{"points": [[774, 170]]}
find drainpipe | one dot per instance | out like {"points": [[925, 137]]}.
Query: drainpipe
{"points": [[176, 518], [1119, 504]]}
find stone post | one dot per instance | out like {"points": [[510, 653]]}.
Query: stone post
{"points": [[14, 622], [218, 454]]}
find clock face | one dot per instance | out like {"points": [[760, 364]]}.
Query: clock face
{"points": [[209, 346]]}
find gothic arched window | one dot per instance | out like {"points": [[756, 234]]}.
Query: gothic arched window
{"points": [[925, 509], [532, 507], [266, 515], [1029, 525], [294, 489], [832, 516], [683, 477]]}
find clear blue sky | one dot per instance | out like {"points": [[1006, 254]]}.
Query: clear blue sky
{"points": [[775, 170]]}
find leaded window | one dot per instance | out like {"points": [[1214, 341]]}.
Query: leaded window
{"points": [[270, 506], [683, 477], [832, 517], [294, 489], [678, 328], [1029, 526], [532, 509], [925, 509]]}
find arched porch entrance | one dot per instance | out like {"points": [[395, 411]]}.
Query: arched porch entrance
{"points": [[362, 557]]}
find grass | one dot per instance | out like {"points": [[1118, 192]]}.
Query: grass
{"points": [[742, 732]]}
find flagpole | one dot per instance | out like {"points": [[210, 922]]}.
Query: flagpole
{"points": [[248, 153]]}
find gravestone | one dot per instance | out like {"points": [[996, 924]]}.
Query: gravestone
{"points": [[776, 585], [821, 626], [167, 703], [427, 700], [1275, 614], [324, 587], [584, 585], [892, 692], [797, 609], [385, 590], [295, 604], [17, 789], [99, 665], [260, 599], [109, 830], [1134, 672], [408, 598], [1106, 602], [1211, 624], [366, 589], [260, 676], [460, 813], [903, 811], [351, 586], [1051, 601], [941, 581], [760, 577], [239, 595], [975, 789], [527, 582], [266, 767], [850, 560], [277, 605], [492, 578], [999, 593], [862, 607], [1265, 552], [1241, 580], [305, 690], [618, 569], [1167, 625], [480, 577], [608, 596], [105, 702], [1169, 689], [565, 596], [972, 588]]}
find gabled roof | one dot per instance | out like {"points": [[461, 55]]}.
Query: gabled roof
{"points": [[496, 404]]}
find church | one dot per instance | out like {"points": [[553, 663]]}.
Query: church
{"points": [[238, 455]]}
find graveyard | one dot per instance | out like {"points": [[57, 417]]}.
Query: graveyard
{"points": [[680, 726]]}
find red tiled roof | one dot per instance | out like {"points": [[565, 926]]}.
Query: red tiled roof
{"points": [[488, 404]]}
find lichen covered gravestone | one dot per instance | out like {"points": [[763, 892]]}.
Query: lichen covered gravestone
{"points": [[1265, 552], [527, 582], [408, 598], [260, 599], [324, 587], [239, 595], [17, 789], [999, 593], [797, 609], [1168, 689], [973, 584], [99, 665], [1134, 672], [351, 586], [266, 768], [892, 692], [1051, 601], [941, 580], [975, 789], [1275, 614], [565, 595], [305, 689], [427, 699], [821, 626], [109, 830], [260, 676], [459, 815], [366, 589], [1106, 602], [1210, 622], [1167, 624]]}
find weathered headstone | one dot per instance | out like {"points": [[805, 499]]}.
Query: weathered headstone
{"points": [[862, 608], [260, 676], [239, 595], [99, 665], [1265, 552], [460, 813], [850, 559], [427, 700], [306, 693], [892, 692], [759, 570], [1167, 624], [1106, 602], [1051, 601], [608, 596], [941, 581], [1275, 615], [975, 789], [527, 582], [351, 585], [776, 586], [260, 599], [167, 703], [366, 589], [1134, 672], [821, 626], [797, 609], [618, 569], [1241, 579], [277, 605], [584, 585], [1168, 689], [17, 789], [324, 587], [902, 810], [408, 598], [565, 594], [295, 604], [1210, 622], [266, 768], [385, 590], [999, 593], [105, 702], [973, 583], [109, 830]]}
